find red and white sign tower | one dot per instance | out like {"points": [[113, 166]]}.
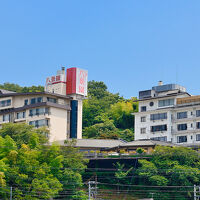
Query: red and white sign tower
{"points": [[73, 82]]}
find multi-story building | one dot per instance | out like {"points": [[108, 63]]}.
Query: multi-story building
{"points": [[168, 113], [56, 108]]}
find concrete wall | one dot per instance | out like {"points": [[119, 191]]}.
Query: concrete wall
{"points": [[58, 124]]}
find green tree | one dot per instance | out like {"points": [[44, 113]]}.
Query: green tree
{"points": [[98, 102], [147, 169], [127, 135], [106, 130], [80, 195], [22, 133], [158, 180], [121, 113], [16, 88], [34, 169], [173, 166], [97, 89], [107, 115], [121, 173], [140, 150]]}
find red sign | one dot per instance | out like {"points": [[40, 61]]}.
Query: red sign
{"points": [[55, 79], [77, 81]]}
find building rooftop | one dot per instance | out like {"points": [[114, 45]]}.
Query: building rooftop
{"points": [[2, 91], [164, 96], [161, 90], [9, 93], [95, 143], [100, 143], [147, 142], [168, 87]]}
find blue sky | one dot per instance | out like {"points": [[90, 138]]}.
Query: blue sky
{"points": [[128, 44]]}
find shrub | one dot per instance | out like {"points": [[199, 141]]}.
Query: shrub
{"points": [[140, 150]]}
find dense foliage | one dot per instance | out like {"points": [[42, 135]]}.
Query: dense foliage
{"points": [[16, 88], [169, 173], [107, 115], [35, 170], [178, 167]]}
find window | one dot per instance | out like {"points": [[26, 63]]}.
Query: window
{"points": [[36, 100], [182, 127], [39, 99], [6, 118], [159, 128], [39, 123], [197, 113], [53, 100], [21, 115], [46, 110], [198, 137], [166, 102], [158, 116], [33, 101], [198, 125], [143, 108], [5, 103], [181, 115], [26, 102], [163, 139], [8, 102], [151, 103], [181, 139], [38, 111], [143, 130], [30, 112], [143, 119]]}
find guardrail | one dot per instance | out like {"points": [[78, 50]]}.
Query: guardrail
{"points": [[114, 155]]}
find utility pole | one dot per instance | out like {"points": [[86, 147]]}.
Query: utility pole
{"points": [[92, 190], [11, 193], [196, 192], [152, 194], [89, 194]]}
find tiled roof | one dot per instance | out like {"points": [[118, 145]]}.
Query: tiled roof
{"points": [[100, 143], [6, 91], [96, 143], [147, 143]]}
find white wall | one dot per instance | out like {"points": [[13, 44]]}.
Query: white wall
{"points": [[58, 124]]}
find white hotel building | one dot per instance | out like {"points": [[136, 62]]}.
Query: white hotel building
{"points": [[168, 113]]}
